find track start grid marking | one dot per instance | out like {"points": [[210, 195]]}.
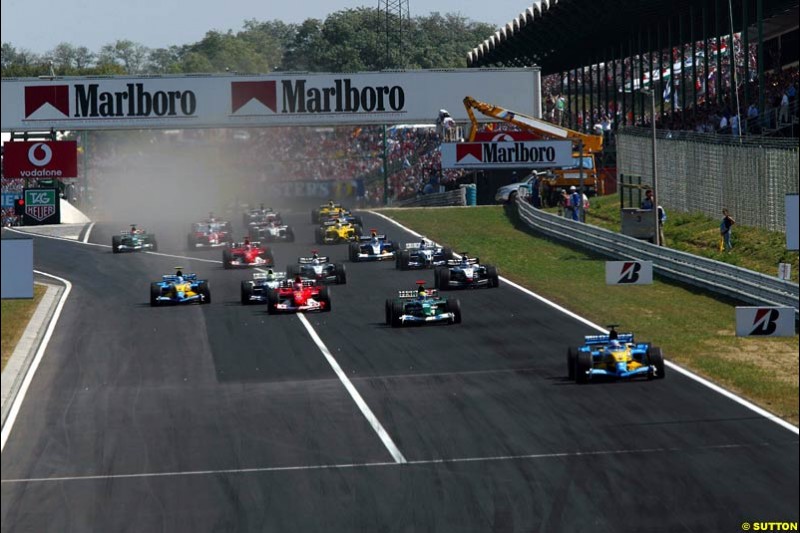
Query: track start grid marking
{"points": [[397, 455], [362, 405], [422, 462]]}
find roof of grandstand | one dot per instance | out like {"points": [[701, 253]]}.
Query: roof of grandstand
{"points": [[559, 35]]}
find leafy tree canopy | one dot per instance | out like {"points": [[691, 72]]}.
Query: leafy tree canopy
{"points": [[346, 41]]}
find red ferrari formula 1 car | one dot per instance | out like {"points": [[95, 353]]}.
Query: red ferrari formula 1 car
{"points": [[247, 254], [298, 295]]}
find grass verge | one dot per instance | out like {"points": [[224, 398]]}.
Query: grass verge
{"points": [[695, 329], [14, 318], [696, 233]]}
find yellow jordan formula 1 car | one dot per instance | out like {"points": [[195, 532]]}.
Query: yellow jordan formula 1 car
{"points": [[337, 231], [326, 212]]}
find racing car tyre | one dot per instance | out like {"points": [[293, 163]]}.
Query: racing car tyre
{"points": [[583, 363], [453, 305], [358, 229], [116, 241], [247, 292], [403, 259], [325, 297], [315, 216], [289, 235], [341, 273], [292, 271], [272, 300], [571, 363], [358, 221], [655, 358], [397, 312], [388, 308], [448, 254], [319, 236], [491, 273], [202, 288], [442, 279], [266, 255], [155, 292], [226, 259], [154, 242], [354, 251]]}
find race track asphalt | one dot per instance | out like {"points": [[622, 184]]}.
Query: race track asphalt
{"points": [[222, 418]]}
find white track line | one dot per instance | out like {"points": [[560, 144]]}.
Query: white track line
{"points": [[362, 405], [691, 375], [88, 232], [420, 462], [15, 407], [56, 238], [85, 239]]}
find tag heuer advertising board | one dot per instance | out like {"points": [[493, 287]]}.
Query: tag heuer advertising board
{"points": [[41, 207]]}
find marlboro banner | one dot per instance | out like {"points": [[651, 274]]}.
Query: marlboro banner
{"points": [[520, 154]]}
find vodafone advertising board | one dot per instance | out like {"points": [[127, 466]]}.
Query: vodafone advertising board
{"points": [[507, 154], [40, 159], [271, 100]]}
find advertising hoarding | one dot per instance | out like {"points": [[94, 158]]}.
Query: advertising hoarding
{"points": [[176, 102]]}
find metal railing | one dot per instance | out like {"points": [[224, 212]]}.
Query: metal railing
{"points": [[439, 199], [715, 276]]}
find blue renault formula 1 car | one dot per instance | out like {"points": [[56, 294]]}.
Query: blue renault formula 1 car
{"points": [[179, 288], [615, 355]]}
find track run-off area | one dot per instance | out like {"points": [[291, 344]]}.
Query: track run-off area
{"points": [[223, 418]]}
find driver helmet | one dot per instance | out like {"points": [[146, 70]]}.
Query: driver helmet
{"points": [[331, 203], [423, 242], [247, 242], [270, 275], [421, 292], [298, 283], [614, 345], [464, 259], [179, 273], [133, 229]]}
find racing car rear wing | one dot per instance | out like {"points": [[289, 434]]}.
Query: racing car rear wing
{"points": [[289, 283], [173, 277], [367, 238], [309, 260], [254, 244], [457, 262], [263, 275], [431, 293], [603, 339]]}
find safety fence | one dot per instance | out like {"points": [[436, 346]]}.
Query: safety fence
{"points": [[439, 199], [750, 176], [715, 276]]}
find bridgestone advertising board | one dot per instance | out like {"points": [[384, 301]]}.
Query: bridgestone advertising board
{"points": [[175, 102]]}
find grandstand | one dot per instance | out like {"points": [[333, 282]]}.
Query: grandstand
{"points": [[721, 78]]}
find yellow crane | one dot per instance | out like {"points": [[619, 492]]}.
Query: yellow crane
{"points": [[582, 143]]}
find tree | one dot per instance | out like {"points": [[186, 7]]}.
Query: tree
{"points": [[164, 60], [126, 53]]}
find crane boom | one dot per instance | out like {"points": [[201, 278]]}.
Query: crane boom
{"points": [[591, 143]]}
